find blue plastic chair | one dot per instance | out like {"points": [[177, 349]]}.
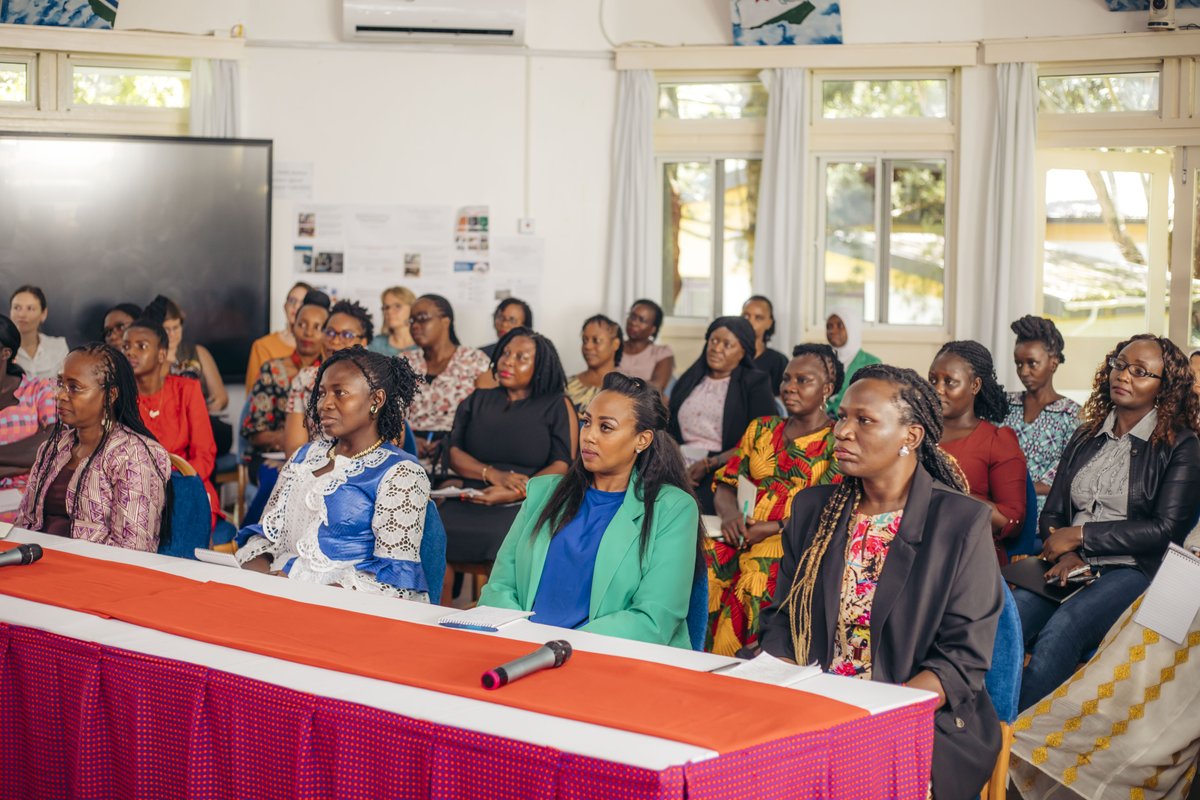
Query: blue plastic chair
{"points": [[1027, 543], [433, 552], [191, 517], [697, 617], [410, 441], [1003, 682]]}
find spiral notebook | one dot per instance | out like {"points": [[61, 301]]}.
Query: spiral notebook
{"points": [[483, 618], [1172, 602]]}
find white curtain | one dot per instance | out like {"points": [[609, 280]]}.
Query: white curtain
{"points": [[216, 98], [631, 218], [778, 244], [1006, 289]]}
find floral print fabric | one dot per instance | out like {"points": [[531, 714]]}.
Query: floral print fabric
{"points": [[866, 551], [435, 404]]}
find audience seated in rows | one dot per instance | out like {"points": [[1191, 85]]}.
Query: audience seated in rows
{"points": [[188, 359], [28, 412], [641, 356], [510, 313], [116, 320], [41, 356], [101, 476], [277, 344], [780, 456], [973, 404], [602, 351], [611, 546], [349, 508], [394, 335], [907, 558]]}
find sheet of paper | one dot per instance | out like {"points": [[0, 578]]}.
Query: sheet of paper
{"points": [[293, 180], [712, 525], [454, 491], [692, 453], [217, 557], [1172, 602], [765, 668], [747, 496], [483, 618], [10, 499]]}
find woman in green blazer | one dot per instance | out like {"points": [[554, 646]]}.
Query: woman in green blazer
{"points": [[612, 546]]}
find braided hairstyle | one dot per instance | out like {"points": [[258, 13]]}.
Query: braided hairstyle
{"points": [[613, 328], [548, 374], [10, 337], [393, 375], [835, 372], [1178, 406], [990, 403], [1039, 329], [355, 310], [659, 465], [919, 405], [119, 388]]}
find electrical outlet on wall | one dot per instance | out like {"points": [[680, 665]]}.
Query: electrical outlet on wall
{"points": [[525, 226]]}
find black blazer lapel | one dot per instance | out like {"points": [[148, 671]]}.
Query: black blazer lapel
{"points": [[827, 600], [901, 555]]}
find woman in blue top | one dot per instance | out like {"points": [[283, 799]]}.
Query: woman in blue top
{"points": [[612, 546], [349, 508]]}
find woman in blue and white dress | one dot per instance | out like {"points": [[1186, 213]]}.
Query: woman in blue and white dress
{"points": [[349, 507]]}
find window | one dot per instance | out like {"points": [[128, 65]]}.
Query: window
{"points": [[881, 99], [884, 232], [14, 82], [138, 87], [709, 209], [695, 101], [1101, 93]]}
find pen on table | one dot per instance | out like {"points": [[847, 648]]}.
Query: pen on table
{"points": [[724, 667]]}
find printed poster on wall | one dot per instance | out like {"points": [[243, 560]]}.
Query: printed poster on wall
{"points": [[784, 22]]}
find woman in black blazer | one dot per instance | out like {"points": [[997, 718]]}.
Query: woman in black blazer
{"points": [[718, 396], [891, 575]]}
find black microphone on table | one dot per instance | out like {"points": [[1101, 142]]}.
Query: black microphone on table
{"points": [[21, 554], [548, 656]]}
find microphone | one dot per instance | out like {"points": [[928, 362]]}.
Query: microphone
{"points": [[550, 655], [21, 554]]}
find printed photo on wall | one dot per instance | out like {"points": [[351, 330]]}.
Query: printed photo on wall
{"points": [[771, 22], [302, 258], [328, 262], [59, 13]]}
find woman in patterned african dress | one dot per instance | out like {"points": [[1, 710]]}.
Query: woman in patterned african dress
{"points": [[781, 456]]}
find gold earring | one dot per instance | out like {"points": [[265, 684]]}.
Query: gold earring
{"points": [[374, 409]]}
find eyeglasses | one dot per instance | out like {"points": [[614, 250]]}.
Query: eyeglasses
{"points": [[507, 320], [423, 319], [70, 388], [114, 329], [345, 336], [392, 307], [1135, 371]]}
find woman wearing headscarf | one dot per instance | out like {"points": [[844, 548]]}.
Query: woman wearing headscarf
{"points": [[843, 331], [716, 398]]}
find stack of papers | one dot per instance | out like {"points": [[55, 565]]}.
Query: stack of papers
{"points": [[765, 668], [483, 618]]}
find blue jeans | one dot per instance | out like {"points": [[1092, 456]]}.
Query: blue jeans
{"points": [[1059, 636]]}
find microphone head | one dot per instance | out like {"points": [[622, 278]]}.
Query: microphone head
{"points": [[30, 553], [561, 649]]}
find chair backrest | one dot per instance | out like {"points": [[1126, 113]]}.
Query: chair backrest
{"points": [[180, 465], [697, 618], [410, 441], [241, 445], [1003, 679], [1027, 542], [433, 552], [191, 517]]}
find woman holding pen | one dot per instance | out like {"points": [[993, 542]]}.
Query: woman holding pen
{"points": [[780, 456]]}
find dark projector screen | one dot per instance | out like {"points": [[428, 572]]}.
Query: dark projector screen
{"points": [[100, 220]]}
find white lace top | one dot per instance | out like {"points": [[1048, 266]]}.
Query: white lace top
{"points": [[358, 525]]}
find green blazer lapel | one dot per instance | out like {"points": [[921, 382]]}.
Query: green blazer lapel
{"points": [[539, 545], [623, 532]]}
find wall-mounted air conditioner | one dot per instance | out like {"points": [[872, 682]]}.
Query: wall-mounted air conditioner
{"points": [[439, 21]]}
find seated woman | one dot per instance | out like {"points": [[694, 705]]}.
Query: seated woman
{"points": [[905, 559], [621, 519], [281, 343], [640, 356], [1042, 418], [716, 398], [349, 325], [449, 371], [264, 423], [1125, 490], [510, 313], [973, 404], [116, 320], [781, 456], [186, 359], [349, 509], [395, 337], [1059, 752], [760, 313], [101, 476], [27, 413], [602, 353], [503, 437], [843, 331], [172, 408], [41, 356]]}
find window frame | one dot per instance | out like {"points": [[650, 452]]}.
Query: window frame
{"points": [[66, 86], [1060, 70], [932, 124], [29, 60]]}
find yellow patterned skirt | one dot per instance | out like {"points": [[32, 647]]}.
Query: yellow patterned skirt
{"points": [[740, 585], [1126, 725]]}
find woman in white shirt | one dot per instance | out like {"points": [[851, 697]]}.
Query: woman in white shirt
{"points": [[41, 356]]}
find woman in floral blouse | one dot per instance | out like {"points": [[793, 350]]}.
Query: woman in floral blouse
{"points": [[1042, 418], [781, 456]]}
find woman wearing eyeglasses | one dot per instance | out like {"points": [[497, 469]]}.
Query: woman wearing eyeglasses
{"points": [[349, 325], [511, 313], [395, 336], [1125, 490], [449, 370]]}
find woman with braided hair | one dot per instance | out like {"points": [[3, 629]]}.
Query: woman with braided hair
{"points": [[889, 576], [349, 508], [101, 476], [973, 406], [1041, 417]]}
